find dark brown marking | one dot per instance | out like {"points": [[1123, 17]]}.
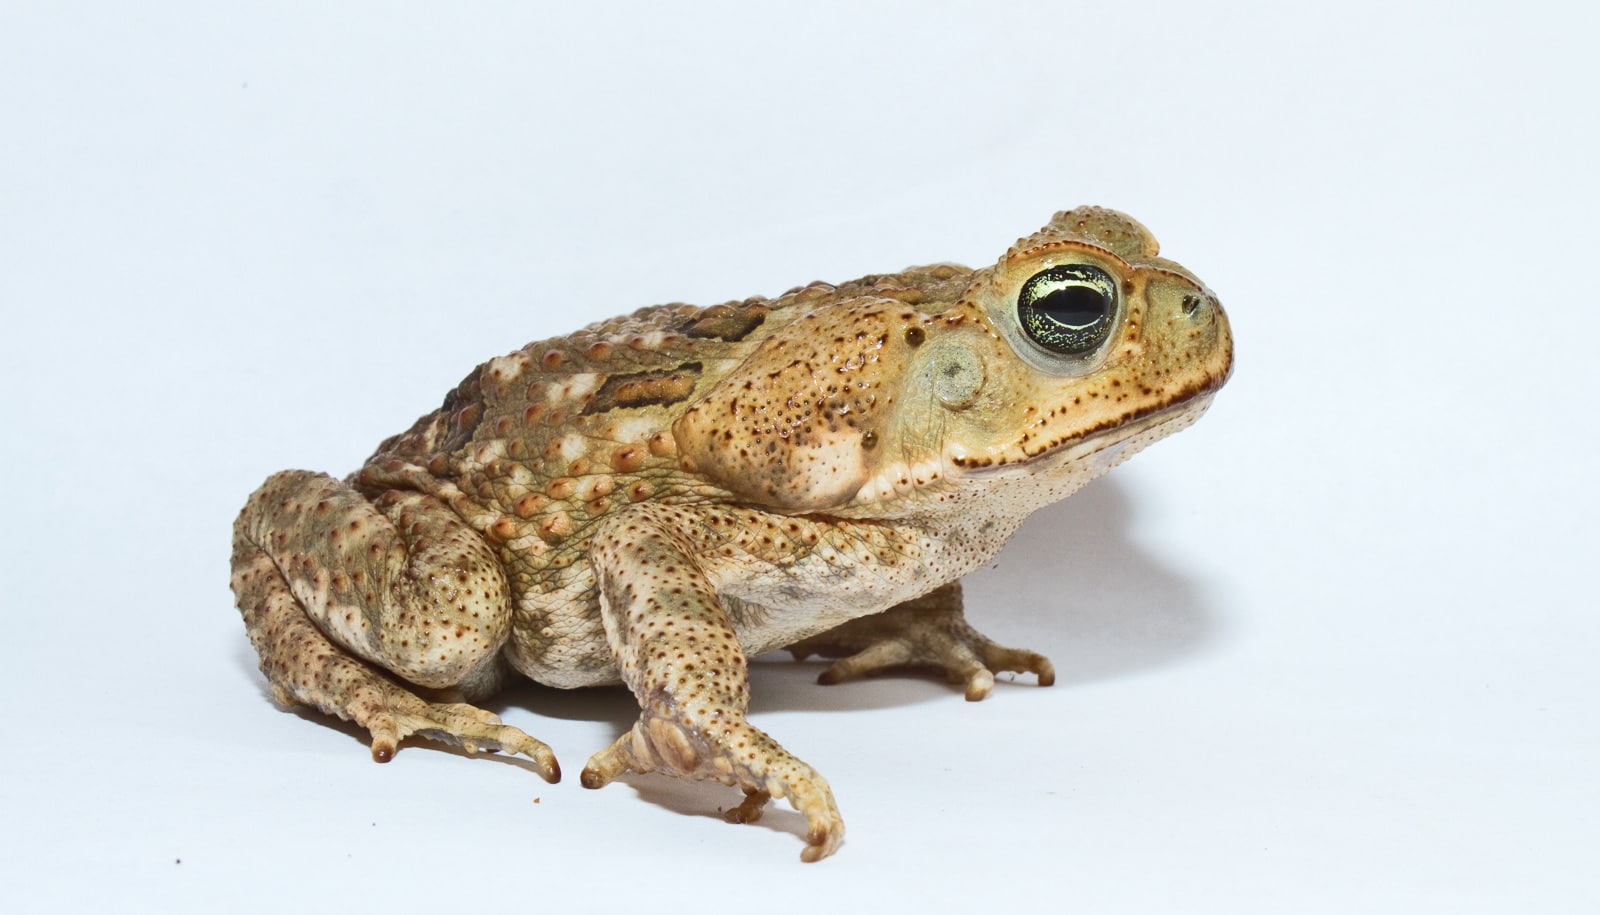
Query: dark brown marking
{"points": [[463, 408], [644, 389], [724, 322]]}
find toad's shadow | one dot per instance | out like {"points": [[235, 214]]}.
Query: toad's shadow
{"points": [[1102, 605], [1072, 584]]}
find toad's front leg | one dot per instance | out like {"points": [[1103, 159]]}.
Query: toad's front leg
{"points": [[678, 652]]}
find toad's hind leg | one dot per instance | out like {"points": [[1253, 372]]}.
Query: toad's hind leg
{"points": [[355, 605]]}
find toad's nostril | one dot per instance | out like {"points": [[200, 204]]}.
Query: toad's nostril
{"points": [[1191, 304]]}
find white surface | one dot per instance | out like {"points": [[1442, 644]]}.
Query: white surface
{"points": [[1332, 650]]}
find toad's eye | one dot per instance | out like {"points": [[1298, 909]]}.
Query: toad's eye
{"points": [[1068, 309]]}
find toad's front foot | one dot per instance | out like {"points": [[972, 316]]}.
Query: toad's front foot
{"points": [[927, 633], [739, 755]]}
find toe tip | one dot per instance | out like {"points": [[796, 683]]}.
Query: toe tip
{"points": [[821, 841]]}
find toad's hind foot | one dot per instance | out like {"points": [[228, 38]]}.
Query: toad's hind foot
{"points": [[927, 633], [458, 724], [391, 713], [305, 668]]}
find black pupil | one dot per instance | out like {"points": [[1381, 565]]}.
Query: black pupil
{"points": [[1068, 309], [1074, 306]]}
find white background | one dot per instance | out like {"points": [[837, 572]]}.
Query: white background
{"points": [[1332, 650]]}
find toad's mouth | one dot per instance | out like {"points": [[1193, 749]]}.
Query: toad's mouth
{"points": [[1097, 450], [1114, 446]]}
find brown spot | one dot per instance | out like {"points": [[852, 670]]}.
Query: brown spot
{"points": [[599, 350], [627, 458], [915, 336], [869, 440], [561, 488], [502, 530], [639, 492], [552, 359], [644, 389], [724, 322], [529, 505]]}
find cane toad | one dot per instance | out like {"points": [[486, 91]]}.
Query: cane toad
{"points": [[656, 498]]}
